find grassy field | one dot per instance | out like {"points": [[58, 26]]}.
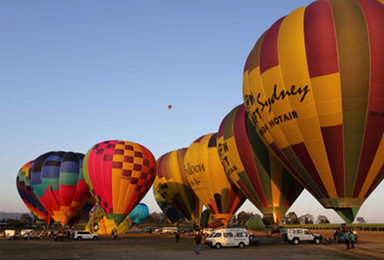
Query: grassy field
{"points": [[155, 246]]}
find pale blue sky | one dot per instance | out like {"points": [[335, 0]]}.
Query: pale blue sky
{"points": [[74, 73]]}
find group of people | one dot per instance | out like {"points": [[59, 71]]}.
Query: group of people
{"points": [[346, 236]]}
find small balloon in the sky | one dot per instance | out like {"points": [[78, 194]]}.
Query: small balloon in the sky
{"points": [[169, 106]]}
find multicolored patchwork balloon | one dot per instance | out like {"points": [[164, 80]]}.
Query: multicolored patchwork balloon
{"points": [[27, 195], [254, 169], [57, 180], [314, 89], [208, 180], [172, 184], [119, 174]]}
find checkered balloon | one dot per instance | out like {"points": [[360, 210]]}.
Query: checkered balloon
{"points": [[119, 174]]}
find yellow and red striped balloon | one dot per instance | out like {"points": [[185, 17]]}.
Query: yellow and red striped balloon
{"points": [[208, 179], [314, 89]]}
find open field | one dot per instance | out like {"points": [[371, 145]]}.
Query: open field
{"points": [[154, 246]]}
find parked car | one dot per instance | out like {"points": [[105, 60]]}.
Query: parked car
{"points": [[150, 229], [208, 231], [296, 235], [79, 235], [228, 237], [32, 235], [172, 230]]}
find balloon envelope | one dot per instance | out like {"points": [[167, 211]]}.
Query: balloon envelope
{"points": [[254, 169], [208, 179], [170, 212], [139, 213], [57, 180], [99, 224], [314, 89], [172, 184], [27, 195], [119, 174]]}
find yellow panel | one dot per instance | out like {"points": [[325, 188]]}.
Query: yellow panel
{"points": [[293, 65], [376, 165], [276, 180]]}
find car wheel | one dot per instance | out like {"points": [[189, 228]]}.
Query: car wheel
{"points": [[94, 238], [218, 245], [79, 238], [317, 240], [28, 238], [241, 245], [296, 241]]}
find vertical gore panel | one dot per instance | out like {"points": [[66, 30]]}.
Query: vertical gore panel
{"points": [[353, 50], [374, 15], [333, 140], [320, 39], [302, 153], [269, 56]]}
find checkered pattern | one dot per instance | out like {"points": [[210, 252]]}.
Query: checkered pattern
{"points": [[134, 164]]}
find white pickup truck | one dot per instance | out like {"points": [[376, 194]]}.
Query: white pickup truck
{"points": [[297, 235]]}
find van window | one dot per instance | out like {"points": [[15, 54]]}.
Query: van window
{"points": [[217, 235], [241, 234], [228, 235], [306, 232]]}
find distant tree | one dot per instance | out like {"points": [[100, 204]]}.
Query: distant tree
{"points": [[361, 220], [306, 219], [243, 217], [268, 219], [322, 219], [291, 218], [26, 219]]}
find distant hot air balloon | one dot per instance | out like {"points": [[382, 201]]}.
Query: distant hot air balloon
{"points": [[58, 182], [208, 179], [314, 89], [172, 184], [139, 213], [119, 174], [170, 212], [27, 195], [169, 106], [254, 169]]}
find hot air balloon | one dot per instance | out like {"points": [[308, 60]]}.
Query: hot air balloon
{"points": [[169, 106], [172, 184], [119, 174], [139, 213], [208, 179], [27, 195], [170, 212], [99, 224], [254, 169], [314, 89], [57, 180]]}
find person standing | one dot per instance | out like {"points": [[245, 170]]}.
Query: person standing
{"points": [[346, 240], [198, 240], [177, 237], [352, 239], [114, 233]]}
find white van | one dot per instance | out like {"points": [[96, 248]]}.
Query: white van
{"points": [[228, 237], [172, 230]]}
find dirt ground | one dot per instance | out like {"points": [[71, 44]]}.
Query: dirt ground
{"points": [[155, 246]]}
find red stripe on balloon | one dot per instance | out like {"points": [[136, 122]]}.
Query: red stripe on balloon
{"points": [[374, 128], [320, 39], [306, 160], [245, 151], [334, 146], [269, 56]]}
